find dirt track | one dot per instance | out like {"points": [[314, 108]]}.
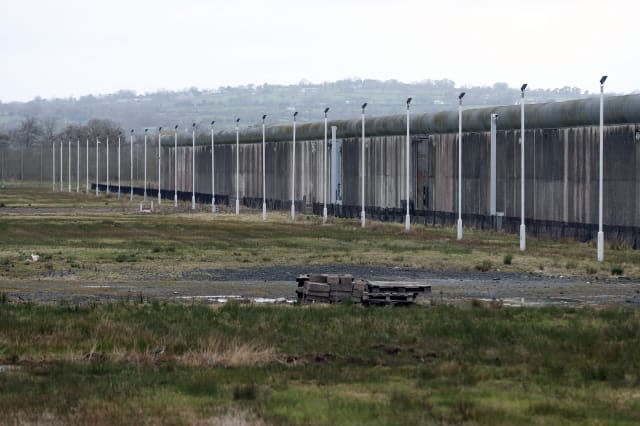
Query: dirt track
{"points": [[212, 285]]}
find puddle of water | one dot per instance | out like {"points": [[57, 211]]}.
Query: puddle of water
{"points": [[227, 298]]}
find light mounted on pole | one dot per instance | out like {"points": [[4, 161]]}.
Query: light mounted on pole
{"points": [[264, 185], [145, 164], [213, 171], [362, 212], [131, 166], [293, 170], [600, 246], [97, 165], [119, 141], [459, 224], [523, 233], [159, 164], [237, 166], [324, 169], [175, 166], [407, 218], [193, 166]]}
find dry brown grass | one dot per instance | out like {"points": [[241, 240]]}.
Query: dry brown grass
{"points": [[217, 352]]}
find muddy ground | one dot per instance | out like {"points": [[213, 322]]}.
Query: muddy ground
{"points": [[262, 284]]}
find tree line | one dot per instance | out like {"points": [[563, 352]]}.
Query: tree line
{"points": [[250, 102]]}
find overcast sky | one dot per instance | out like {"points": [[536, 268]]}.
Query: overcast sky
{"points": [[77, 47]]}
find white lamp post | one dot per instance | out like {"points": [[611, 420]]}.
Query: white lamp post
{"points": [[78, 165], [107, 164], [87, 149], [600, 253], [145, 164], [69, 165], [324, 169], [159, 164], [237, 166], [61, 168], [131, 166], [54, 166], [293, 170], [175, 166], [193, 166], [119, 137], [213, 171], [407, 218], [523, 235], [362, 213], [97, 165], [264, 185], [460, 165]]}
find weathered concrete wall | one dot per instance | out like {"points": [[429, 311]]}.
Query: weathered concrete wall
{"points": [[560, 175]]}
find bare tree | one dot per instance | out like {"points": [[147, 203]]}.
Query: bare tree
{"points": [[49, 125], [4, 145], [26, 135]]}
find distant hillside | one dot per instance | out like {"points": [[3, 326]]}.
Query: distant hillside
{"points": [[165, 108]]}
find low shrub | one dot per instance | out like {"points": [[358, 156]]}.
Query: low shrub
{"points": [[484, 266], [617, 270]]}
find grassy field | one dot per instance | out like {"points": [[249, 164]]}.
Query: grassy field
{"points": [[171, 364], [141, 362], [94, 238]]}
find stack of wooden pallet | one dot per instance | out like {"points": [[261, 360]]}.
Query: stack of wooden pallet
{"points": [[336, 288], [324, 288], [393, 292]]}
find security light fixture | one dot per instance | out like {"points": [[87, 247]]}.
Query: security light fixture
{"points": [[175, 127], [264, 116], [600, 244], [326, 110], [213, 122], [295, 114], [364, 105], [523, 88], [408, 101], [461, 95]]}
